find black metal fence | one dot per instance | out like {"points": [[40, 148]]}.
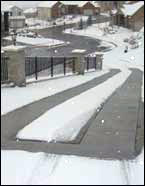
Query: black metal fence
{"points": [[52, 66], [4, 69]]}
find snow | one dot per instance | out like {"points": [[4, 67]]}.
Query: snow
{"points": [[50, 169], [13, 98], [16, 17], [30, 10], [70, 117], [37, 41], [13, 48], [135, 170], [47, 4], [78, 51], [34, 23], [6, 8], [131, 9]]}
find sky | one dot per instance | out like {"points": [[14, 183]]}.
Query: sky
{"points": [[22, 4]]}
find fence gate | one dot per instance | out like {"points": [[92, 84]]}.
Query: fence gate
{"points": [[36, 67]]}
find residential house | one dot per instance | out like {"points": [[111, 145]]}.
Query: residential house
{"points": [[82, 7], [17, 22], [107, 6], [48, 10], [15, 15], [71, 7], [31, 13], [88, 8], [131, 16]]}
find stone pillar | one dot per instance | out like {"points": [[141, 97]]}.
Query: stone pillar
{"points": [[16, 64], [80, 61], [99, 60]]}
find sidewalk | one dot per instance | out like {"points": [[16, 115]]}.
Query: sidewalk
{"points": [[111, 135], [18, 119]]}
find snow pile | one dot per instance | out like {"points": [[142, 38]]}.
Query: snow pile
{"points": [[37, 41], [36, 22], [23, 168], [73, 114], [13, 98]]}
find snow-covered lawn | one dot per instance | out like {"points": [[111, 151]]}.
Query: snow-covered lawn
{"points": [[37, 41], [73, 114], [116, 58], [96, 31], [24, 168], [34, 23], [13, 98]]}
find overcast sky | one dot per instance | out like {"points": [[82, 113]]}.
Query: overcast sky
{"points": [[22, 4]]}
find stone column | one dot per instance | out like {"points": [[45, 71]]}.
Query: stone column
{"points": [[16, 64], [80, 62], [99, 60]]}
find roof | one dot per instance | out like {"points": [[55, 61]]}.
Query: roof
{"points": [[47, 4], [30, 10], [79, 3], [131, 9]]}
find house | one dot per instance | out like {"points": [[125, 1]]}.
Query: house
{"points": [[82, 7], [30, 13], [13, 10], [48, 10], [131, 16], [107, 6], [88, 8], [71, 7], [16, 22], [15, 18]]}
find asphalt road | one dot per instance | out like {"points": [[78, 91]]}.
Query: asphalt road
{"points": [[76, 42]]}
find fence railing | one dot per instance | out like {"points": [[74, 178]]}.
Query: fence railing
{"points": [[51, 66], [4, 69]]}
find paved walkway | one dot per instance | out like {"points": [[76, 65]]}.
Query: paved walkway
{"points": [[111, 135], [14, 121]]}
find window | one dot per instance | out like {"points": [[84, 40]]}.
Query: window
{"points": [[19, 13]]}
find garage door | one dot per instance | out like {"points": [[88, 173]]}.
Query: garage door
{"points": [[88, 12]]}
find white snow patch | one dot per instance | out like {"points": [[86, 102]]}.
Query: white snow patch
{"points": [[23, 168], [36, 41], [13, 98], [71, 117]]}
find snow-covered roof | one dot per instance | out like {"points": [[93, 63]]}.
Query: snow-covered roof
{"points": [[70, 2], [30, 10], [131, 9], [79, 3], [47, 4]]}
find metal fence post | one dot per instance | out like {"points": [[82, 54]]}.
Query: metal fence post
{"points": [[87, 63], [36, 68], [64, 66], [51, 66], [73, 67]]}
